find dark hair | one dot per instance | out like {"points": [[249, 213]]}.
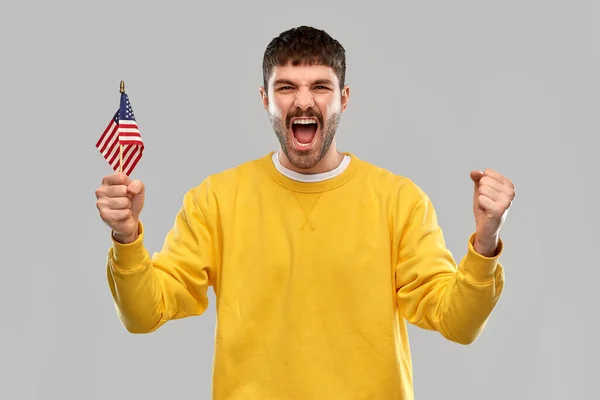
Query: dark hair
{"points": [[305, 45]]}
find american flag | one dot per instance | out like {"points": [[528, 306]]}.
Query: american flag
{"points": [[122, 130]]}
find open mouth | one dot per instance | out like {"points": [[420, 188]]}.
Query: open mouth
{"points": [[304, 131]]}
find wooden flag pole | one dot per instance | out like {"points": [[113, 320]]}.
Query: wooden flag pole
{"points": [[121, 90]]}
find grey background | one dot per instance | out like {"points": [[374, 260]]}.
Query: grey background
{"points": [[437, 88]]}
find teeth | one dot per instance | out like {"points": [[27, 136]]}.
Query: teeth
{"points": [[303, 145], [305, 121]]}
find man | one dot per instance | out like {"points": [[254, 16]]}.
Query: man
{"points": [[316, 257]]}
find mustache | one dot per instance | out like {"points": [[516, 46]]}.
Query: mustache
{"points": [[309, 113]]}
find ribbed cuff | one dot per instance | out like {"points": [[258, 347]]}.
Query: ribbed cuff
{"points": [[480, 268], [130, 256]]}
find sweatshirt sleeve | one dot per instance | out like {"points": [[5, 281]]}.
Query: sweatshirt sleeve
{"points": [[149, 290], [436, 293]]}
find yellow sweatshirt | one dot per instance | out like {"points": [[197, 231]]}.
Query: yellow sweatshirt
{"points": [[314, 282]]}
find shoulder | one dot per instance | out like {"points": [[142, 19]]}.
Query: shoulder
{"points": [[395, 184], [399, 194], [229, 179]]}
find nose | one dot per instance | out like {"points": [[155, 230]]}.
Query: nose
{"points": [[304, 99]]}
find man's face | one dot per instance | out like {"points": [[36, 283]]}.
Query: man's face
{"points": [[305, 104]]}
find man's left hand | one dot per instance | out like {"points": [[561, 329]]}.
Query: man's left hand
{"points": [[493, 196]]}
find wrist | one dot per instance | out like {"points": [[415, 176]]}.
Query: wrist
{"points": [[486, 248], [125, 239]]}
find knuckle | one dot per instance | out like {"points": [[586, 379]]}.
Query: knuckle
{"points": [[116, 191], [123, 179], [112, 203], [113, 179], [122, 203]]}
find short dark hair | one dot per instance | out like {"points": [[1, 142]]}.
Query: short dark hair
{"points": [[305, 45]]}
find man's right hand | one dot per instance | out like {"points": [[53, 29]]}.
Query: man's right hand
{"points": [[120, 202]]}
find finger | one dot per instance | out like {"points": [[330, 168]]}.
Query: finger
{"points": [[497, 203], [116, 191], [504, 188], [117, 203], [498, 177], [493, 183], [489, 192], [115, 216], [113, 203], [493, 194], [112, 192], [118, 178], [486, 203]]}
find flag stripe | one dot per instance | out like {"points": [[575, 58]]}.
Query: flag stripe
{"points": [[123, 133], [136, 158], [127, 158], [109, 128], [111, 144], [130, 136], [106, 137]]}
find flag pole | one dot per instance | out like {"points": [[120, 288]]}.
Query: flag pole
{"points": [[121, 90]]}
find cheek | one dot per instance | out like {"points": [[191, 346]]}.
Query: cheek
{"points": [[333, 106], [274, 110], [277, 107]]}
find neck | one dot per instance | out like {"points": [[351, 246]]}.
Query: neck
{"points": [[329, 162]]}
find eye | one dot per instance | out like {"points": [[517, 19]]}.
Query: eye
{"points": [[321, 87]]}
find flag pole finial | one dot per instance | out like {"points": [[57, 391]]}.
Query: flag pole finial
{"points": [[122, 89]]}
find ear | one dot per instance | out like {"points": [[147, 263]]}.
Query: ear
{"points": [[264, 97], [345, 97]]}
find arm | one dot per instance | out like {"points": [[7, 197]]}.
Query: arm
{"points": [[435, 293], [173, 283]]}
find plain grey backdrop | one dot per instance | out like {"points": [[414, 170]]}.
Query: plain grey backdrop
{"points": [[437, 88]]}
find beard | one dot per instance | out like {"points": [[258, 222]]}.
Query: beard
{"points": [[305, 159]]}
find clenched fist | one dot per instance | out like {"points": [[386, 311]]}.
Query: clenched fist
{"points": [[120, 202], [492, 198]]}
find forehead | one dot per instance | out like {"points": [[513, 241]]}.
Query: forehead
{"points": [[303, 74]]}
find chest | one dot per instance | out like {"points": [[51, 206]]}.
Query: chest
{"points": [[288, 243]]}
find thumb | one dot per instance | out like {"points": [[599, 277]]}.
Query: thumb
{"points": [[136, 187], [137, 190], [476, 176]]}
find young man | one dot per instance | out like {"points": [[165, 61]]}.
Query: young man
{"points": [[317, 258]]}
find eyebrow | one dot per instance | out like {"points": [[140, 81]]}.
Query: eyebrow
{"points": [[323, 81], [288, 82]]}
